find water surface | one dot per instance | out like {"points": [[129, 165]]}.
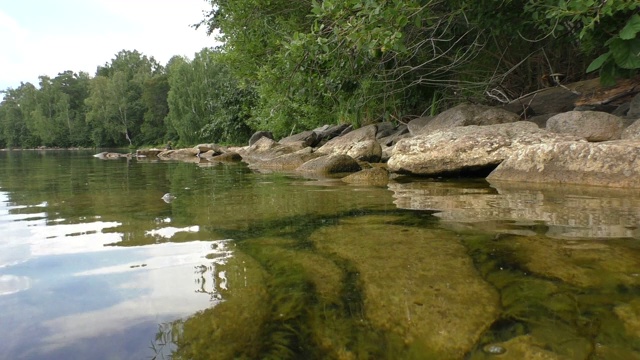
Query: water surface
{"points": [[95, 264]]}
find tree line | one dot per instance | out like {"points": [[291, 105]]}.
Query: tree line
{"points": [[288, 66]]}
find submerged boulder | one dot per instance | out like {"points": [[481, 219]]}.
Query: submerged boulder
{"points": [[418, 285]]}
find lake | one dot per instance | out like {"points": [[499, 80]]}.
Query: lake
{"points": [[95, 263]]}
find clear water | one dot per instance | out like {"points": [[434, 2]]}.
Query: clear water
{"points": [[94, 264]]}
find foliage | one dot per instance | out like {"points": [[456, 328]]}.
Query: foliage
{"points": [[116, 108], [606, 27], [206, 103]]}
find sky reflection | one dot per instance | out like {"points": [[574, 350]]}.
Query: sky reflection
{"points": [[60, 280]]}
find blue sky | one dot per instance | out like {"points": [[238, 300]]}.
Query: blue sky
{"points": [[45, 37]]}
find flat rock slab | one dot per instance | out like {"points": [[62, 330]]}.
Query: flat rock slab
{"points": [[612, 163], [467, 148]]}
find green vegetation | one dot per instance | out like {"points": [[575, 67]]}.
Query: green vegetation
{"points": [[287, 66]]}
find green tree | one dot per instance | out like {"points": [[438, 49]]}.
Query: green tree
{"points": [[116, 108]]}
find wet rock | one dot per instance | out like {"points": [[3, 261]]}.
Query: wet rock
{"points": [[418, 284], [466, 148], [467, 114], [613, 163], [259, 135], [330, 164], [591, 125], [376, 176]]}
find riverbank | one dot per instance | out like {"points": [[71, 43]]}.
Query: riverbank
{"points": [[577, 134]]}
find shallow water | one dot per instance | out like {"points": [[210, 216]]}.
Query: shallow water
{"points": [[95, 264]]}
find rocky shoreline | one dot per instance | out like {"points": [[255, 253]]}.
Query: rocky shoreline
{"points": [[554, 137]]}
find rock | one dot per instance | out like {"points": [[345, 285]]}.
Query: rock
{"points": [[328, 132], [632, 132], [401, 132], [375, 176], [216, 149], [541, 120], [613, 163], [305, 138], [554, 99], [467, 148], [330, 164], [150, 153], [265, 149], [287, 162], [179, 154], [408, 287], [359, 144], [229, 156], [417, 124], [634, 108], [258, 135], [591, 125], [385, 129], [467, 114]]}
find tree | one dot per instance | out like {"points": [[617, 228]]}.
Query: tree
{"points": [[116, 108]]}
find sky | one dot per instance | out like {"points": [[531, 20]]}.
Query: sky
{"points": [[46, 37]]}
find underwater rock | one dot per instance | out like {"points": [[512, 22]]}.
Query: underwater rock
{"points": [[419, 284]]}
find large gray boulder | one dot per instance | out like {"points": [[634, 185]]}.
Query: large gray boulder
{"points": [[359, 144], [612, 163], [330, 164], [592, 125], [468, 114], [467, 148]]}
